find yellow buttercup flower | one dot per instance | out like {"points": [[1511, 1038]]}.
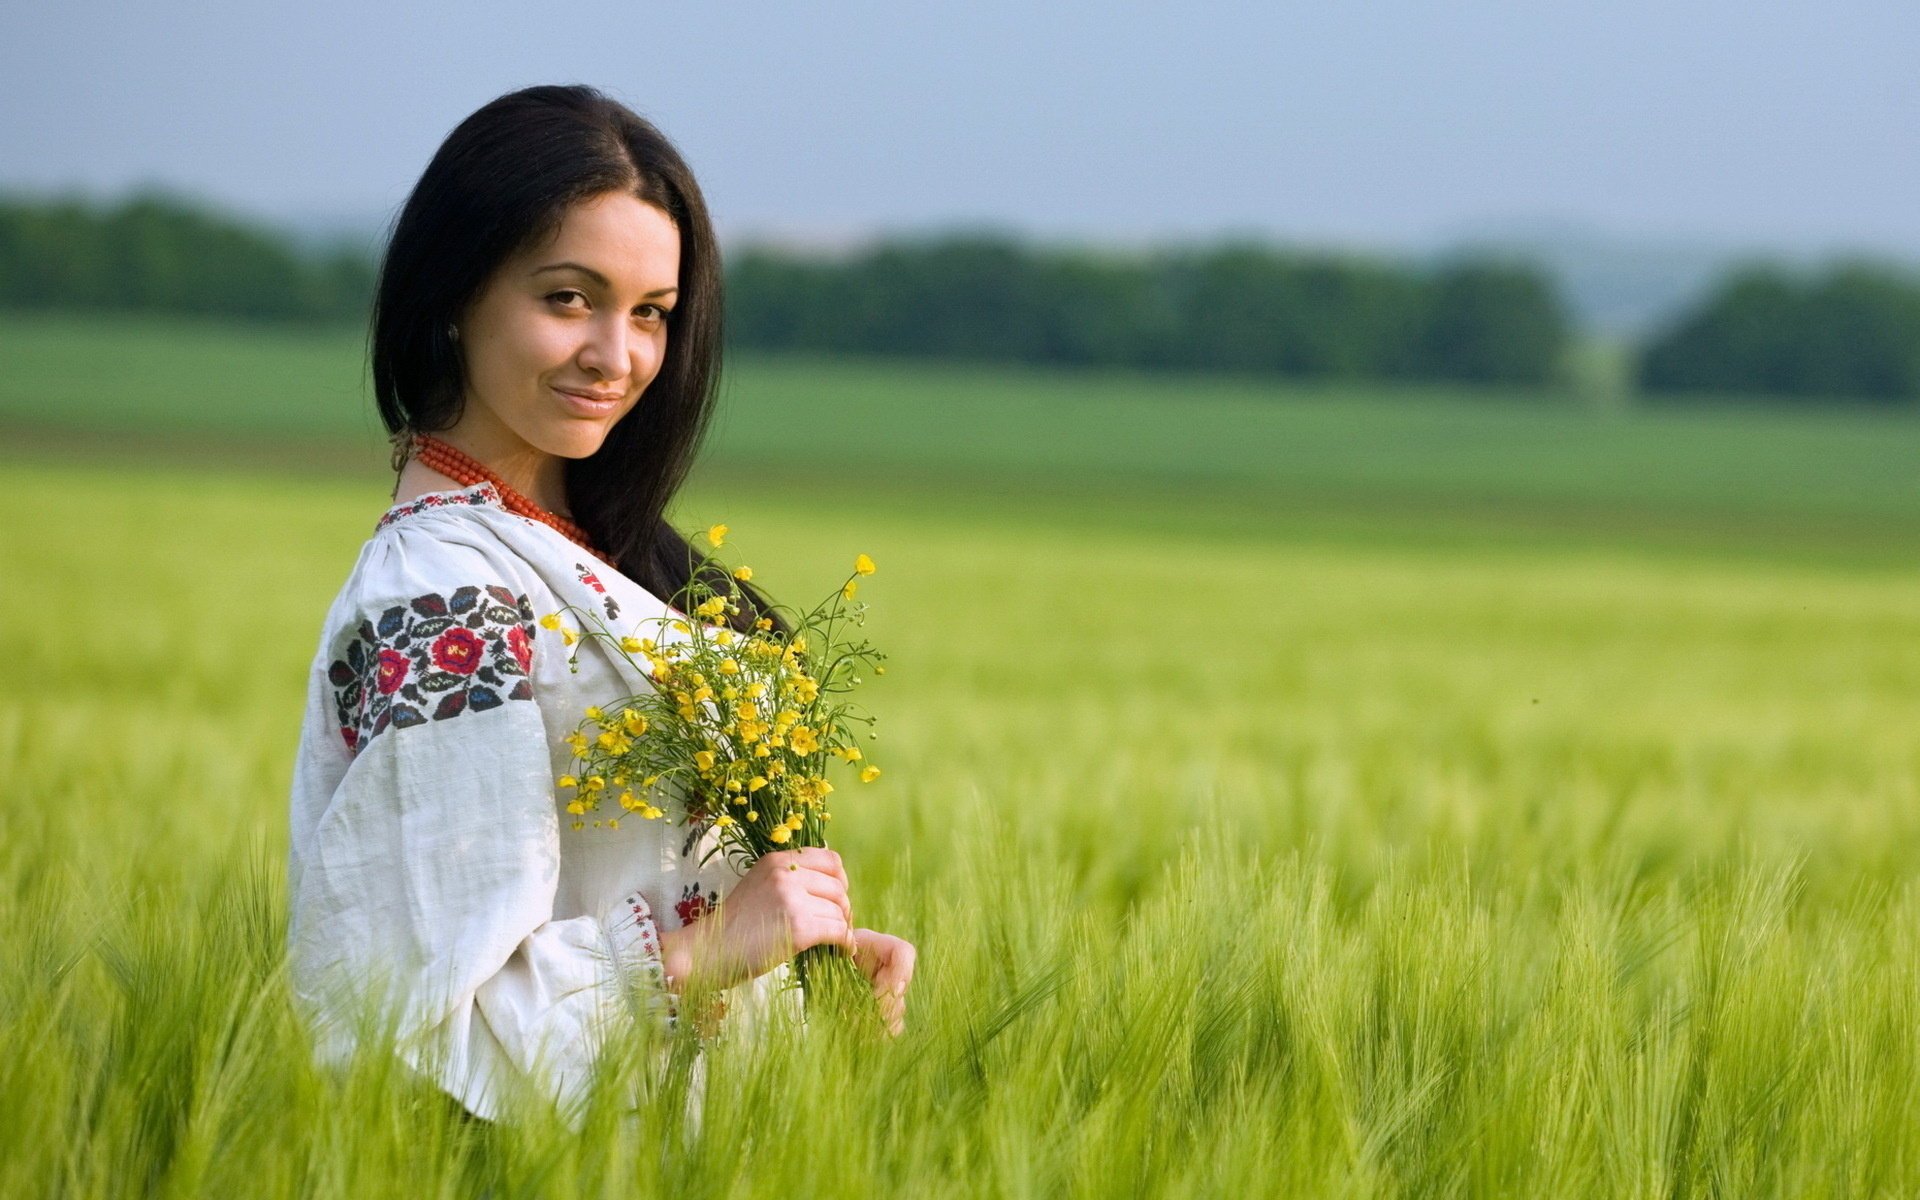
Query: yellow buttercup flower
{"points": [[729, 666], [576, 807], [743, 573], [568, 637], [764, 623], [869, 773], [550, 621], [594, 712], [711, 608], [724, 637], [804, 739], [862, 565], [779, 833], [848, 590], [635, 721], [716, 534], [567, 781], [756, 783], [703, 759], [723, 820], [630, 644]]}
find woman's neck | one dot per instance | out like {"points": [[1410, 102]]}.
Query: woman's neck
{"points": [[533, 473]]}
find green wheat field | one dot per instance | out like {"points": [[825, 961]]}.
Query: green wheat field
{"points": [[1291, 791]]}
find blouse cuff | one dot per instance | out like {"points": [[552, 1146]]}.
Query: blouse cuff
{"points": [[638, 963]]}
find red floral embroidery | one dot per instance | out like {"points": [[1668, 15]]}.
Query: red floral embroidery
{"points": [[521, 646], [391, 670], [430, 659], [458, 650], [693, 905]]}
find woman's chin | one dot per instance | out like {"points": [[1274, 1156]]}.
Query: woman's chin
{"points": [[582, 440]]}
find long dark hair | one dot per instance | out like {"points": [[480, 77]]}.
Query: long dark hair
{"points": [[504, 179]]}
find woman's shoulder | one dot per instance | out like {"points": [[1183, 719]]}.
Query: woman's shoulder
{"points": [[445, 549]]}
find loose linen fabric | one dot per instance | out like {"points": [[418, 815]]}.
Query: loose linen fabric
{"points": [[433, 871]]}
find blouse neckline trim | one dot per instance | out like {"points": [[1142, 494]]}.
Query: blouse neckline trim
{"points": [[474, 495]]}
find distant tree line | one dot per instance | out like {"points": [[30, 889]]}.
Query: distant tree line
{"points": [[1853, 332], [1233, 307], [1850, 332], [155, 253]]}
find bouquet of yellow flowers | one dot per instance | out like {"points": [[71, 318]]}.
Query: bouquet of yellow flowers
{"points": [[740, 726]]}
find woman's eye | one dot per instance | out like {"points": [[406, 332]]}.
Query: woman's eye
{"points": [[557, 295], [653, 312]]}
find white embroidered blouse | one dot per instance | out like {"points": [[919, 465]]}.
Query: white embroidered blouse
{"points": [[430, 847]]}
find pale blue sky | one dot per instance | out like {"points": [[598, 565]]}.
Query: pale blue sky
{"points": [[1774, 123]]}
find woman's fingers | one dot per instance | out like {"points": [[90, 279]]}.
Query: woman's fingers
{"points": [[822, 923], [887, 962], [815, 858], [827, 887]]}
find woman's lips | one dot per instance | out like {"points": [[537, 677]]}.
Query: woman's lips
{"points": [[581, 406]]}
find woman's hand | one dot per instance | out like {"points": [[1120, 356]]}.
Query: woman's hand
{"points": [[788, 901], [888, 963]]}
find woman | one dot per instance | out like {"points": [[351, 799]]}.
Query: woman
{"points": [[546, 342]]}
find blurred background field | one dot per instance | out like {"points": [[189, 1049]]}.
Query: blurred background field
{"points": [[1403, 605]]}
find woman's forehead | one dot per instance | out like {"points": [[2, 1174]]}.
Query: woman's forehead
{"points": [[617, 238]]}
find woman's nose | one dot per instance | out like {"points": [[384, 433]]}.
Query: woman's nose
{"points": [[606, 353]]}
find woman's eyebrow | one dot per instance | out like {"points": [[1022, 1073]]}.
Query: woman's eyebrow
{"points": [[596, 276]]}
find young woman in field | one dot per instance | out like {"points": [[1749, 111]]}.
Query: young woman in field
{"points": [[546, 342]]}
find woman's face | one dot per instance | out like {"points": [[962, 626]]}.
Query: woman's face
{"points": [[565, 337]]}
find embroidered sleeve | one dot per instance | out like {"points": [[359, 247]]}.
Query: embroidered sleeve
{"points": [[433, 864], [637, 962]]}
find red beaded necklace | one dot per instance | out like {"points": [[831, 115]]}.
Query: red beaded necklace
{"points": [[462, 468]]}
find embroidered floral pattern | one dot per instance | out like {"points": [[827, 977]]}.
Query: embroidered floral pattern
{"points": [[433, 658], [694, 904], [593, 581], [480, 493]]}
